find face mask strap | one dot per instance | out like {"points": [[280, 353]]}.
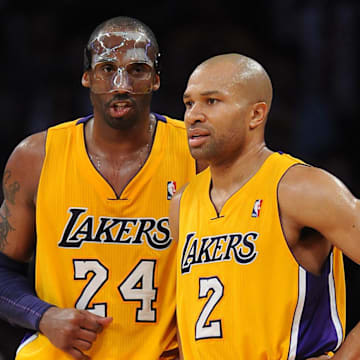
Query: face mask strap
{"points": [[87, 59]]}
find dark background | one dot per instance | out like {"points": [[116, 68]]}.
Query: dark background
{"points": [[309, 48]]}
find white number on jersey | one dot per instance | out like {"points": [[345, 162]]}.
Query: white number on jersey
{"points": [[213, 329], [81, 270], [138, 286]]}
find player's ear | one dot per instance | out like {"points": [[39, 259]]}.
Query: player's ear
{"points": [[258, 114], [156, 84], [85, 79]]}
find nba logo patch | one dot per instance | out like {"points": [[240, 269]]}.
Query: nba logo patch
{"points": [[171, 189], [256, 208]]}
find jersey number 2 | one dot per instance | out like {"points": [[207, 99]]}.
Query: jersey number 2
{"points": [[213, 329], [138, 286]]}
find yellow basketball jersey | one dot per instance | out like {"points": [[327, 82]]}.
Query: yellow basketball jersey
{"points": [[111, 255], [240, 292]]}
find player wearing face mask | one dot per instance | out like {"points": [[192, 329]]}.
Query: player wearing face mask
{"points": [[94, 193]]}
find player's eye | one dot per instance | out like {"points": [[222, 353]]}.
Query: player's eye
{"points": [[139, 70], [188, 104], [104, 70], [212, 101], [107, 68]]}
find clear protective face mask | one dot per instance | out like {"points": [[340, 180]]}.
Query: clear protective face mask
{"points": [[122, 61]]}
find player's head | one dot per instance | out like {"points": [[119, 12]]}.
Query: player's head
{"points": [[227, 100], [122, 55]]}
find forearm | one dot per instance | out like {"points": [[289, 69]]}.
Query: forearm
{"points": [[19, 304], [350, 349]]}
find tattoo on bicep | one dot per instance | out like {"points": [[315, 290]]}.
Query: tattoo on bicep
{"points": [[5, 226], [10, 190]]}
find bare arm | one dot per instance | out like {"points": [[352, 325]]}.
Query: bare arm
{"points": [[17, 213], [18, 303], [310, 197], [71, 330]]}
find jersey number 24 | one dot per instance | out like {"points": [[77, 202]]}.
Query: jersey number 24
{"points": [[137, 286]]}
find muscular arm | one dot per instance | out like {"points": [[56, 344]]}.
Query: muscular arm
{"points": [[310, 197], [18, 303], [17, 212], [68, 329]]}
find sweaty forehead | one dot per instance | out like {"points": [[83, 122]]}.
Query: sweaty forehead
{"points": [[212, 78]]}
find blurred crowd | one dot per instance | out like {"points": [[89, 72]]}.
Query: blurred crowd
{"points": [[309, 48]]}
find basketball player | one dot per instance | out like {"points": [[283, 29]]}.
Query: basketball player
{"points": [[94, 194], [260, 270]]}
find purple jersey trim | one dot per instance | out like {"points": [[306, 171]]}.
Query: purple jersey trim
{"points": [[160, 117], [27, 336], [84, 119], [317, 331]]}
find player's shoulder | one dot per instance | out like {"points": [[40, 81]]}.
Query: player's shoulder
{"points": [[25, 162], [65, 125], [302, 174], [171, 122], [305, 183], [30, 147]]}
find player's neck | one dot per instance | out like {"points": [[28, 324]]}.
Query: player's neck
{"points": [[103, 137], [229, 177]]}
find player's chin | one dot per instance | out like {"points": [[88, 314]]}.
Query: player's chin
{"points": [[198, 153]]}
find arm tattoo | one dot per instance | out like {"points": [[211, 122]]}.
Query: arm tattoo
{"points": [[5, 226], [10, 189]]}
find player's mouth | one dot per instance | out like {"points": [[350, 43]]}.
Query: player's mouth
{"points": [[197, 137], [119, 108]]}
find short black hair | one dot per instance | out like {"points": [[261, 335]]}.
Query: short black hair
{"points": [[129, 24]]}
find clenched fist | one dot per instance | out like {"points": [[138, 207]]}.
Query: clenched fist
{"points": [[72, 330]]}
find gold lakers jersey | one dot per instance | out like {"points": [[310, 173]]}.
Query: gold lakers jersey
{"points": [[240, 292], [112, 255]]}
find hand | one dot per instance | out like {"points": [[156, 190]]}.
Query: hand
{"points": [[72, 330]]}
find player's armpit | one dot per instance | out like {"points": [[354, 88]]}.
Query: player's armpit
{"points": [[311, 197]]}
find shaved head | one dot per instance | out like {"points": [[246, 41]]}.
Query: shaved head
{"points": [[239, 70], [227, 102]]}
